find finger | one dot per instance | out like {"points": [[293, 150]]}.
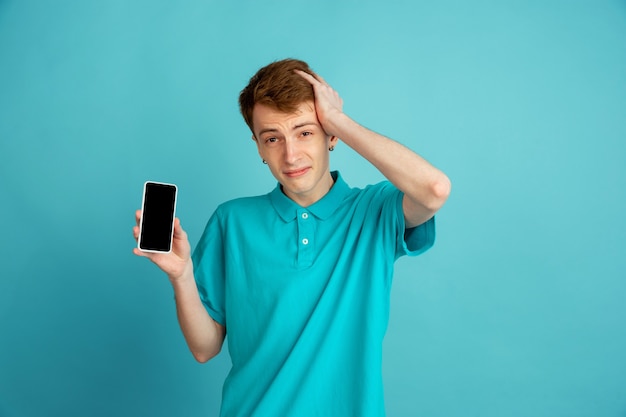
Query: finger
{"points": [[137, 216], [136, 232], [140, 253], [153, 256], [179, 232], [310, 78], [321, 80]]}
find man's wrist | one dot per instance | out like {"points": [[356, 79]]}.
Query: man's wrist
{"points": [[185, 277], [341, 126]]}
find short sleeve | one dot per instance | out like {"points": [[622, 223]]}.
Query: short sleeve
{"points": [[385, 202], [419, 239], [209, 269], [415, 240]]}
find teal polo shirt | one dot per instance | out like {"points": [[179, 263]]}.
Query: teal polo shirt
{"points": [[304, 295]]}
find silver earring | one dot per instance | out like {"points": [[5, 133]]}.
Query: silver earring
{"points": [[332, 148], [264, 161]]}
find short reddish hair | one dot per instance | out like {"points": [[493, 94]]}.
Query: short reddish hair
{"points": [[278, 86]]}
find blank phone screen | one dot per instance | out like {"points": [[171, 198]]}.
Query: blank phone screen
{"points": [[159, 205]]}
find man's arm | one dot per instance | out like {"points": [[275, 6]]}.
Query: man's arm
{"points": [[204, 335], [425, 187]]}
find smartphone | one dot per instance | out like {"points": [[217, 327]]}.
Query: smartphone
{"points": [[156, 226]]}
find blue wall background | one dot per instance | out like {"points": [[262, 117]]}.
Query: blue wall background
{"points": [[519, 309]]}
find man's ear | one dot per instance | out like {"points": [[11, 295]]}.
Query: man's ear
{"points": [[333, 141]]}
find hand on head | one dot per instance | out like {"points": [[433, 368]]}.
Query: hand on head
{"points": [[328, 103]]}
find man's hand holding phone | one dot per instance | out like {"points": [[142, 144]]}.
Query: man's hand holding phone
{"points": [[175, 262], [158, 232]]}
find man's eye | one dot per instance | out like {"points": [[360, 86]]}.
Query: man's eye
{"points": [[307, 133], [271, 140]]}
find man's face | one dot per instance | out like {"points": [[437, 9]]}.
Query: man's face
{"points": [[296, 150]]}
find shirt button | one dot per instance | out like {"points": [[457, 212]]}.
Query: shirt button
{"points": [[305, 241], [305, 215]]}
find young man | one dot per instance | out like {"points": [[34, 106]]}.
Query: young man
{"points": [[300, 277]]}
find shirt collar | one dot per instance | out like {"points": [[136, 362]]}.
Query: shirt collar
{"points": [[322, 209]]}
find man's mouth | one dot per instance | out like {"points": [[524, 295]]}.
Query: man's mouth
{"points": [[296, 172]]}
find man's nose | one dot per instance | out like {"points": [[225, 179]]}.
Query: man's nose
{"points": [[292, 151]]}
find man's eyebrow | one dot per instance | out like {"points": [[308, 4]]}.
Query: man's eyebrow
{"points": [[298, 126], [303, 124], [267, 130]]}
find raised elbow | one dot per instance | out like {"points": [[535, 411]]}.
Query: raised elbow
{"points": [[440, 191], [442, 188]]}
